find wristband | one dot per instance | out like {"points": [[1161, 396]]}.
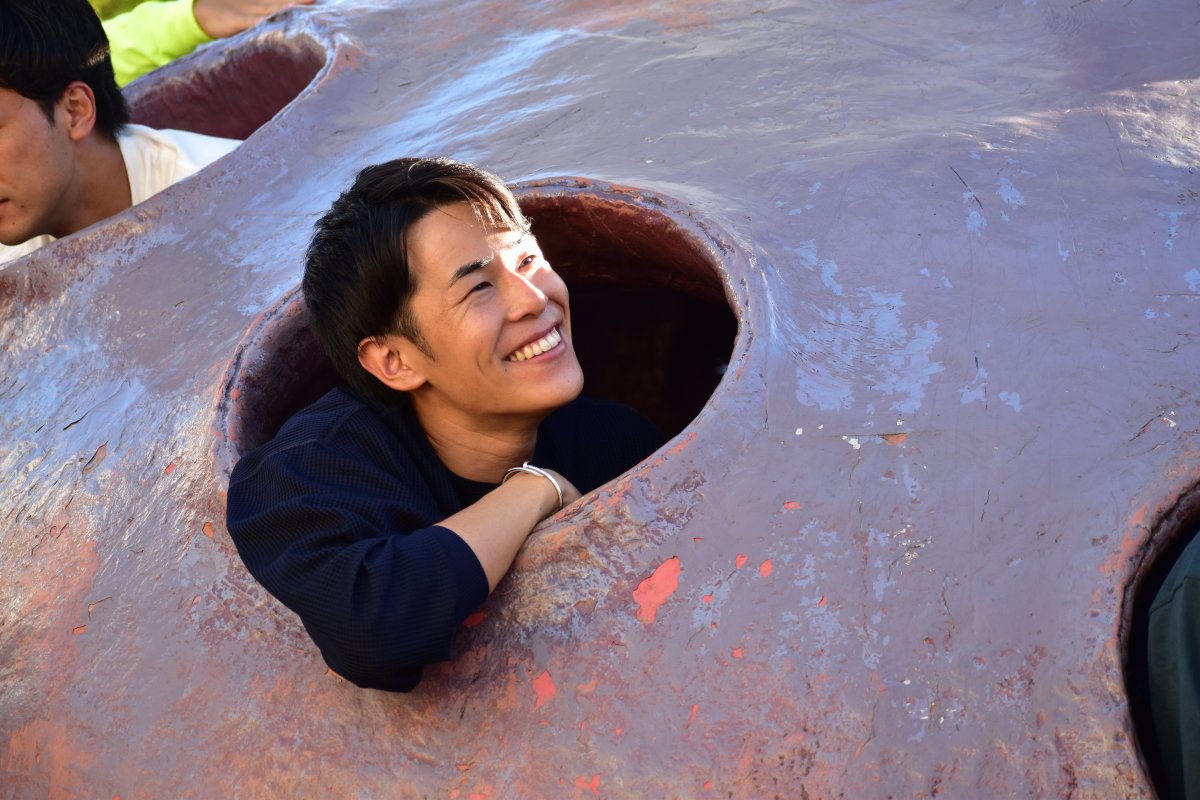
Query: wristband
{"points": [[532, 470]]}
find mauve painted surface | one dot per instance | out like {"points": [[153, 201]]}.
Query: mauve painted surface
{"points": [[889, 557]]}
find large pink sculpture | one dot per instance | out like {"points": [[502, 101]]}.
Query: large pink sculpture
{"points": [[950, 257]]}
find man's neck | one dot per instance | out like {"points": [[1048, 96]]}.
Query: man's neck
{"points": [[479, 450], [102, 189]]}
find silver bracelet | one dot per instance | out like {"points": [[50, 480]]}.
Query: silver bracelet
{"points": [[532, 470]]}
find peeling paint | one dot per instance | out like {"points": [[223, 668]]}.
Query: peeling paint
{"points": [[657, 589]]}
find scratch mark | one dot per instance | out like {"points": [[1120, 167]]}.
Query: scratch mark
{"points": [[974, 196]]}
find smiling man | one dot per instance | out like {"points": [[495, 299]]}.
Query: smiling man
{"points": [[385, 513], [68, 155]]}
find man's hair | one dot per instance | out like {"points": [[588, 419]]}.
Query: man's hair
{"points": [[47, 44], [357, 283]]}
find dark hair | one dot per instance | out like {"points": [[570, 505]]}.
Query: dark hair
{"points": [[356, 274], [47, 44]]}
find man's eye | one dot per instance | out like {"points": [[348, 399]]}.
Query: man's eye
{"points": [[479, 287], [526, 262]]}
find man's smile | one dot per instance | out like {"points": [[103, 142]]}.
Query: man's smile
{"points": [[538, 346]]}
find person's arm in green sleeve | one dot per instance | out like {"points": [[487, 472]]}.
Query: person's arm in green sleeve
{"points": [[150, 35], [155, 33]]}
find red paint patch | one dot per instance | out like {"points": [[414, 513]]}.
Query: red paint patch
{"points": [[737, 652], [792, 505], [697, 539], [473, 619], [895, 438], [593, 784], [708, 598], [170, 468], [544, 688], [695, 710], [654, 591], [707, 785], [765, 568], [739, 561], [821, 603], [208, 529], [79, 629]]}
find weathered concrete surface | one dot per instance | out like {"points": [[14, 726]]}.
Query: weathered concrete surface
{"points": [[889, 558]]}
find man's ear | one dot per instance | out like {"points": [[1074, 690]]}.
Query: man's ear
{"points": [[77, 108], [391, 360]]}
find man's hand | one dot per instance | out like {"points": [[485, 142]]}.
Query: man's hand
{"points": [[221, 18]]}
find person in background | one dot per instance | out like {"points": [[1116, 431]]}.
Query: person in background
{"points": [[155, 33], [68, 155]]}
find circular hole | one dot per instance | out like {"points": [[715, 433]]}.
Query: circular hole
{"points": [[229, 89], [651, 314], [1167, 541]]}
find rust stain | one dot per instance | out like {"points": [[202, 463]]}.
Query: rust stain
{"points": [[589, 687], [678, 448], [593, 784], [1116, 561], [208, 529], [654, 591], [737, 652], [894, 439], [544, 689], [78, 629]]}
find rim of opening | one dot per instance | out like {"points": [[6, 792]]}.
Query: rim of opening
{"points": [[232, 87], [279, 338]]}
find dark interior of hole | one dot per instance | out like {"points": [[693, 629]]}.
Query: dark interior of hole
{"points": [[231, 92], [1136, 673], [651, 324]]}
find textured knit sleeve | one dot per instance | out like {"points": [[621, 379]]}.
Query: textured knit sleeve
{"points": [[150, 35], [340, 529]]}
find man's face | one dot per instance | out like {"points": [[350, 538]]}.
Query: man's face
{"points": [[494, 318], [36, 170]]}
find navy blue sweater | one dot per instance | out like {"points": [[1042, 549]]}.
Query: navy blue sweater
{"points": [[336, 517]]}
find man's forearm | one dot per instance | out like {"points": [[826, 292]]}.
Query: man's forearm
{"points": [[497, 524]]}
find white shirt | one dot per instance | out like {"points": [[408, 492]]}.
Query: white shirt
{"points": [[154, 159]]}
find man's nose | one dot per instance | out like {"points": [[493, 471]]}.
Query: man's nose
{"points": [[524, 296]]}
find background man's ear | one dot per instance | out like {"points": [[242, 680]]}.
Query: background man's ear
{"points": [[390, 359], [77, 109]]}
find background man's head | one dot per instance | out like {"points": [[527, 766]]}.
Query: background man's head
{"points": [[46, 45], [357, 276], [59, 110]]}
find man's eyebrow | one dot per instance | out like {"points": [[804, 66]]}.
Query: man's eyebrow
{"points": [[467, 269]]}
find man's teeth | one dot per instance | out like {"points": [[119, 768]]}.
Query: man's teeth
{"points": [[547, 342]]}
